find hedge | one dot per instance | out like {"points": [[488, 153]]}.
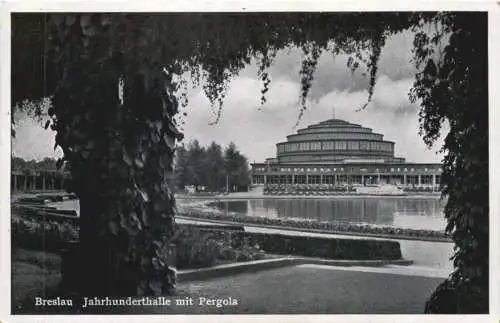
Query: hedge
{"points": [[198, 247], [307, 246], [41, 235], [41, 199], [43, 213]]}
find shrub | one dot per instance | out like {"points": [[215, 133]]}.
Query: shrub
{"points": [[41, 235], [197, 247], [332, 248]]}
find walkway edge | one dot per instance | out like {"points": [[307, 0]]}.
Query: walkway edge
{"points": [[359, 235], [190, 275]]}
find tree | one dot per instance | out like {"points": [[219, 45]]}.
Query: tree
{"points": [[455, 88], [17, 163], [236, 168], [47, 163], [214, 167], [110, 77], [195, 167], [204, 166], [180, 166]]}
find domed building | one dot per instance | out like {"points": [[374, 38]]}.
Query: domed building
{"points": [[337, 153]]}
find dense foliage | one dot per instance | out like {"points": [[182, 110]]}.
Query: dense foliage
{"points": [[454, 88], [18, 163], [111, 79], [211, 168], [198, 248]]}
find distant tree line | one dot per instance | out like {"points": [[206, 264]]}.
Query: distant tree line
{"points": [[18, 163], [212, 167]]}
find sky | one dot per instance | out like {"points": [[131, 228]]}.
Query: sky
{"points": [[335, 91]]}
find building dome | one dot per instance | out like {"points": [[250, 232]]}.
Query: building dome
{"points": [[336, 141]]}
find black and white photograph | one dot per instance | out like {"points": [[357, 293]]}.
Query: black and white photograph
{"points": [[248, 162]]}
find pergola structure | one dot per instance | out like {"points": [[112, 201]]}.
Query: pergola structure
{"points": [[27, 180]]}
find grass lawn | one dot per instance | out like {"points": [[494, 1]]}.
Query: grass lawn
{"points": [[302, 290], [37, 274], [296, 290], [290, 290], [34, 273]]}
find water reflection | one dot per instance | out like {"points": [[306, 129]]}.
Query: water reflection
{"points": [[414, 213], [417, 213]]}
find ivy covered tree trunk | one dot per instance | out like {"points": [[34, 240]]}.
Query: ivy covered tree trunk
{"points": [[121, 152], [114, 122]]}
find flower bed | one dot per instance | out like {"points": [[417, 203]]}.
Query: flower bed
{"points": [[317, 225]]}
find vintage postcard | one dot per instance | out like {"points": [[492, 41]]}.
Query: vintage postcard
{"points": [[248, 160]]}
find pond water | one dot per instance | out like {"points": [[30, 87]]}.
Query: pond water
{"points": [[408, 212], [414, 213]]}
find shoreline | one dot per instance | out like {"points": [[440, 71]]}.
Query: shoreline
{"points": [[353, 230], [238, 197], [252, 196], [344, 234]]}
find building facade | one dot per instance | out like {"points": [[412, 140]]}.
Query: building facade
{"points": [[338, 154]]}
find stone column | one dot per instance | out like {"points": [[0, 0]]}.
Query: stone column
{"points": [[433, 182], [404, 180], [293, 179], [25, 183], [15, 183], [363, 180], [335, 180], [378, 179], [265, 179], [34, 183], [43, 182], [419, 180], [321, 179]]}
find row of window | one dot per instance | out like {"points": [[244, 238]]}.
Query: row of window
{"points": [[336, 145], [306, 158], [340, 169], [329, 179], [337, 135], [339, 129]]}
